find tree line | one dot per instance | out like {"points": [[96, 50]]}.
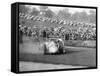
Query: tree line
{"points": [[64, 14]]}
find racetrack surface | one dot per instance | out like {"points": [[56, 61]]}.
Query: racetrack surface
{"points": [[83, 57], [78, 56], [34, 66]]}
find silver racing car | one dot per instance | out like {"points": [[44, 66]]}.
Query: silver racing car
{"points": [[54, 46]]}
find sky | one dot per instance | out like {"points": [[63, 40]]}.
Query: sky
{"points": [[57, 9]]}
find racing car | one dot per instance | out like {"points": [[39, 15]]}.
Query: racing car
{"points": [[54, 46]]}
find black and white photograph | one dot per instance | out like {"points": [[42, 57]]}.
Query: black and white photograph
{"points": [[58, 37]]}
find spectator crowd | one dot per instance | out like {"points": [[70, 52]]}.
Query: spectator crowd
{"points": [[70, 30]]}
